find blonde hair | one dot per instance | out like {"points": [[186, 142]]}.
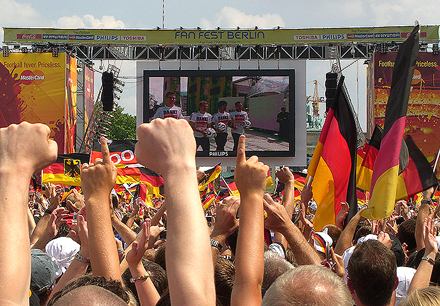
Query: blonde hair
{"points": [[428, 296]]}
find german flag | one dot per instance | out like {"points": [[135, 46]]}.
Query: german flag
{"points": [[211, 174], [227, 183], [417, 174], [366, 156], [386, 170], [129, 175], [333, 165], [66, 170], [154, 183]]}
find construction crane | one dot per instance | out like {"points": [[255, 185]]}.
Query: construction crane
{"points": [[315, 101]]}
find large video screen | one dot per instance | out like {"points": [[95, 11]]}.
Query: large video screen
{"points": [[220, 105]]}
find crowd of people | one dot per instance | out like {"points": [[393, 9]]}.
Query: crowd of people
{"points": [[206, 125], [95, 249]]}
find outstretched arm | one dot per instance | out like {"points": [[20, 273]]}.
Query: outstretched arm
{"points": [[423, 275], [24, 150], [168, 146], [346, 238], [250, 178], [97, 181], [278, 220]]}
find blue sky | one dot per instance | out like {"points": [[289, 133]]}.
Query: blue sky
{"points": [[225, 14]]}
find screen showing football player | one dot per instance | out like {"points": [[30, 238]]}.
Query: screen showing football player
{"points": [[200, 123], [240, 122], [169, 109], [221, 120]]}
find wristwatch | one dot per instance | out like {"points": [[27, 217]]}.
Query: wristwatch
{"points": [[217, 245], [425, 201]]}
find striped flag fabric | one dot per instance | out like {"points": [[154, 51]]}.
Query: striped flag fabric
{"points": [[384, 181], [366, 156], [333, 165], [66, 170], [415, 175]]}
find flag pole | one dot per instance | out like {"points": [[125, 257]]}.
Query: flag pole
{"points": [[436, 160], [227, 186]]}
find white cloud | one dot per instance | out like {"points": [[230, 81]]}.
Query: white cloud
{"points": [[89, 21], [13, 13], [230, 17], [405, 12]]}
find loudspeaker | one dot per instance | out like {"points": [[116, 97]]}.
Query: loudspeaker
{"points": [[331, 83], [107, 91]]}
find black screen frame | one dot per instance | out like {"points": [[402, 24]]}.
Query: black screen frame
{"points": [[226, 73]]}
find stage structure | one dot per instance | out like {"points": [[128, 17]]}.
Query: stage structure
{"points": [[257, 50]]}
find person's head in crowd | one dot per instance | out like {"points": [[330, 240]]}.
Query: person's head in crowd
{"points": [[43, 271], [290, 257], [63, 230], [274, 266], [92, 290], [170, 98], [158, 277], [333, 231], [222, 106], [203, 107], [372, 276], [308, 285], [397, 249], [363, 231], [115, 201], [62, 251], [238, 106], [428, 296], [406, 234], [224, 276], [160, 256], [166, 301]]}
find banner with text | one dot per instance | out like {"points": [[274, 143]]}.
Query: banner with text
{"points": [[32, 89], [423, 115], [220, 36]]}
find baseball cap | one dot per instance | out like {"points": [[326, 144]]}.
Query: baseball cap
{"points": [[43, 271]]}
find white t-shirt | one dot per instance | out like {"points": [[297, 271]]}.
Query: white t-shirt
{"points": [[221, 117], [201, 122], [166, 112], [240, 118]]}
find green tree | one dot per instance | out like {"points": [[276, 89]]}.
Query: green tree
{"points": [[122, 125]]}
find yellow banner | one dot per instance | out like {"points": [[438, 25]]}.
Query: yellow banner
{"points": [[220, 36], [32, 87]]}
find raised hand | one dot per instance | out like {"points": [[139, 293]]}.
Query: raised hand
{"points": [[250, 175], [26, 148], [429, 234], [284, 175], [100, 177], [277, 216], [165, 144], [342, 214]]}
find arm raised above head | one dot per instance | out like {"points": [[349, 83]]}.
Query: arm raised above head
{"points": [[24, 150], [168, 146], [250, 178]]}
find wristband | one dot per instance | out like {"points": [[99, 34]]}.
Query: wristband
{"points": [[81, 258], [425, 201], [142, 277], [217, 245], [47, 212], [430, 260]]}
